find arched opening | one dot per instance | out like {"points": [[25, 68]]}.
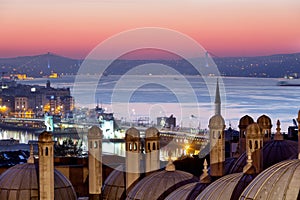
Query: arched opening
{"points": [[135, 147], [149, 146], [91, 144], [256, 144], [153, 146], [250, 144], [130, 147], [95, 144], [46, 151]]}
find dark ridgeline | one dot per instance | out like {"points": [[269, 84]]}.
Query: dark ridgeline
{"points": [[275, 66]]}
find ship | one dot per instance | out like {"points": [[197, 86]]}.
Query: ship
{"points": [[293, 80], [22, 124]]}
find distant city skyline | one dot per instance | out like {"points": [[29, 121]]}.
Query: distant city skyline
{"points": [[74, 28]]}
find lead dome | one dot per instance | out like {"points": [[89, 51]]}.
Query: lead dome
{"points": [[21, 183], [280, 181]]}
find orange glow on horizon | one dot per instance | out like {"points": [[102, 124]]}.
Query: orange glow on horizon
{"points": [[226, 28]]}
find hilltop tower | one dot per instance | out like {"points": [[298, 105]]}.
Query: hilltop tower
{"points": [[152, 149], [133, 151], [95, 162], [46, 166]]}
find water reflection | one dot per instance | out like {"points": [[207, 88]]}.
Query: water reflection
{"points": [[110, 148]]}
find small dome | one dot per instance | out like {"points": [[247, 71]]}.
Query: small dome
{"points": [[253, 130], [216, 122], [152, 133], [95, 132], [21, 183], [245, 121], [188, 191], [162, 183], [132, 134], [45, 137], [114, 185], [274, 152], [227, 187], [280, 181], [264, 122]]}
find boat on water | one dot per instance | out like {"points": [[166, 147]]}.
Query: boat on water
{"points": [[31, 125], [289, 81]]}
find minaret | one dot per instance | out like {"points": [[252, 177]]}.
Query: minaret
{"points": [[217, 145], [254, 145], [217, 100], [205, 177], [133, 151], [95, 162], [278, 135], [46, 166], [152, 149]]}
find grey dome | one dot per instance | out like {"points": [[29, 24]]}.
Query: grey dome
{"points": [[226, 188], [21, 183], [280, 181], [189, 191], [159, 185], [114, 185], [274, 152]]}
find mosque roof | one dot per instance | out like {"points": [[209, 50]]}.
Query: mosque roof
{"points": [[280, 181], [189, 191], [21, 183], [228, 187], [114, 185], [274, 151], [162, 183]]}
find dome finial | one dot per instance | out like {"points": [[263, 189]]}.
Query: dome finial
{"points": [[31, 157], [205, 177], [249, 168], [170, 166], [278, 135]]}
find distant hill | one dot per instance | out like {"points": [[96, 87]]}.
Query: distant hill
{"points": [[263, 66], [39, 65], [275, 66]]}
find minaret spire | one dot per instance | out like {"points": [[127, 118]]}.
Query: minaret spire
{"points": [[205, 177], [217, 100], [31, 157]]}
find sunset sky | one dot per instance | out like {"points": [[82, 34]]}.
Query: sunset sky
{"points": [[74, 27]]}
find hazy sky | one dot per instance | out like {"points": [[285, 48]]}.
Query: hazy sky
{"points": [[74, 27]]}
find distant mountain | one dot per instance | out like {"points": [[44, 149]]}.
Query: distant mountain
{"points": [[262, 66]]}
